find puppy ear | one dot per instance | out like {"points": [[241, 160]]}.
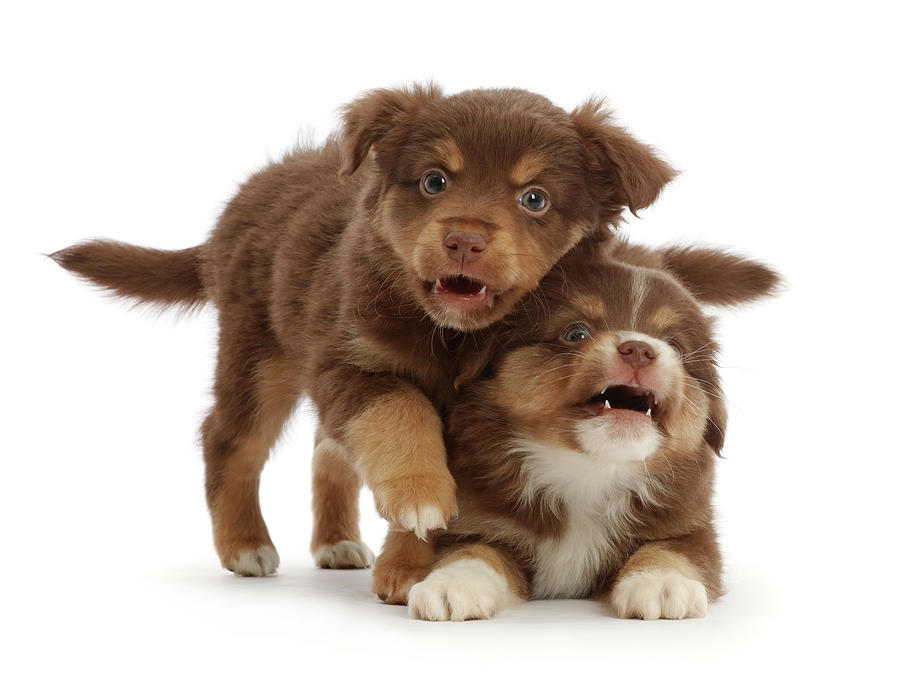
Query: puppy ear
{"points": [[476, 361], [640, 173], [369, 118], [719, 278], [716, 420]]}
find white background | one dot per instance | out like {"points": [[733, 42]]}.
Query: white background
{"points": [[138, 124]]}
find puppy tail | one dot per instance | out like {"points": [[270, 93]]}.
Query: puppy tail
{"points": [[163, 278], [720, 278]]}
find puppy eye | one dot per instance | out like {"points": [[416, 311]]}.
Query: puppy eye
{"points": [[576, 333], [433, 183], [677, 348], [534, 200]]}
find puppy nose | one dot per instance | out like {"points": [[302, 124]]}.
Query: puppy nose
{"points": [[464, 246], [637, 354]]}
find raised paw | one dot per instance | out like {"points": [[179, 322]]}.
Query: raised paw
{"points": [[659, 594], [459, 591], [346, 554], [417, 503], [248, 560]]}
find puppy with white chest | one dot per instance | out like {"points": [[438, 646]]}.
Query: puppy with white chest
{"points": [[584, 459], [422, 222]]}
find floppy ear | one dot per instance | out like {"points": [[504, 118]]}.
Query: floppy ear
{"points": [[369, 118], [716, 420], [640, 173], [476, 362], [719, 278]]}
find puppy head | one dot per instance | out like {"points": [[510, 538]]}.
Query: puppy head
{"points": [[479, 194], [612, 360]]}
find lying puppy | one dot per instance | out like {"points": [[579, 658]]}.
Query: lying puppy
{"points": [[450, 209], [584, 463]]}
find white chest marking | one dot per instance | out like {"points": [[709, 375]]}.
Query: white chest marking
{"points": [[596, 494]]}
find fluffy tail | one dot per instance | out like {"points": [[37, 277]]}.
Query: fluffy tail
{"points": [[721, 278], [165, 278]]}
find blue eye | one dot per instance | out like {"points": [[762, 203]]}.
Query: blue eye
{"points": [[576, 334], [433, 183], [534, 200]]}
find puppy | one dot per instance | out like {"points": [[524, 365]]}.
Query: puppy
{"points": [[584, 461], [351, 272]]}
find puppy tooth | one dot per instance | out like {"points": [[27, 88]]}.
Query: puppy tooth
{"points": [[648, 412], [606, 404], [438, 284], [483, 289], [604, 390]]}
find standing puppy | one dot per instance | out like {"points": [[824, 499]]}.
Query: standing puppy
{"points": [[584, 463], [349, 272]]}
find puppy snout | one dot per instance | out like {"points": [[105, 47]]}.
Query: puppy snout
{"points": [[637, 354], [464, 247]]}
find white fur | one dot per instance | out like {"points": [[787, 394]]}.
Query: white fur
{"points": [[659, 594], [611, 440], [262, 561], [462, 590], [640, 287], [345, 554], [421, 520], [596, 493]]}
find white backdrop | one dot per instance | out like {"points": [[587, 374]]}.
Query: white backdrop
{"points": [[139, 122]]}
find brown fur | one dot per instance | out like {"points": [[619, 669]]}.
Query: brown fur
{"points": [[324, 271], [536, 388]]}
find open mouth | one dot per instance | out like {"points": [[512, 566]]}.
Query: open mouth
{"points": [[460, 285], [462, 292], [625, 398]]}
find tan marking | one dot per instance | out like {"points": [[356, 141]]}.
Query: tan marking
{"points": [[664, 317], [449, 154], [655, 556], [592, 306], [399, 450], [527, 169], [686, 423]]}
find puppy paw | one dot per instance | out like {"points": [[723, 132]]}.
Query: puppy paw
{"points": [[417, 503], [249, 560], [659, 594], [345, 554], [392, 583], [462, 590]]}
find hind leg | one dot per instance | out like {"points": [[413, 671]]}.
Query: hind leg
{"points": [[336, 541], [255, 393]]}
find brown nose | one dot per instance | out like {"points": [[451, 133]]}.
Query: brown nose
{"points": [[637, 354], [464, 247]]}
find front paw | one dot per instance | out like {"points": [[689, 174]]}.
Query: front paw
{"points": [[417, 503], [659, 594], [459, 591], [392, 583]]}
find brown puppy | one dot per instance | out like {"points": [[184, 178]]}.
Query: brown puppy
{"points": [[584, 463], [450, 209]]}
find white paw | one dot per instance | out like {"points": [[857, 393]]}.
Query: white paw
{"points": [[659, 594], [421, 520], [345, 554], [261, 561], [461, 590]]}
